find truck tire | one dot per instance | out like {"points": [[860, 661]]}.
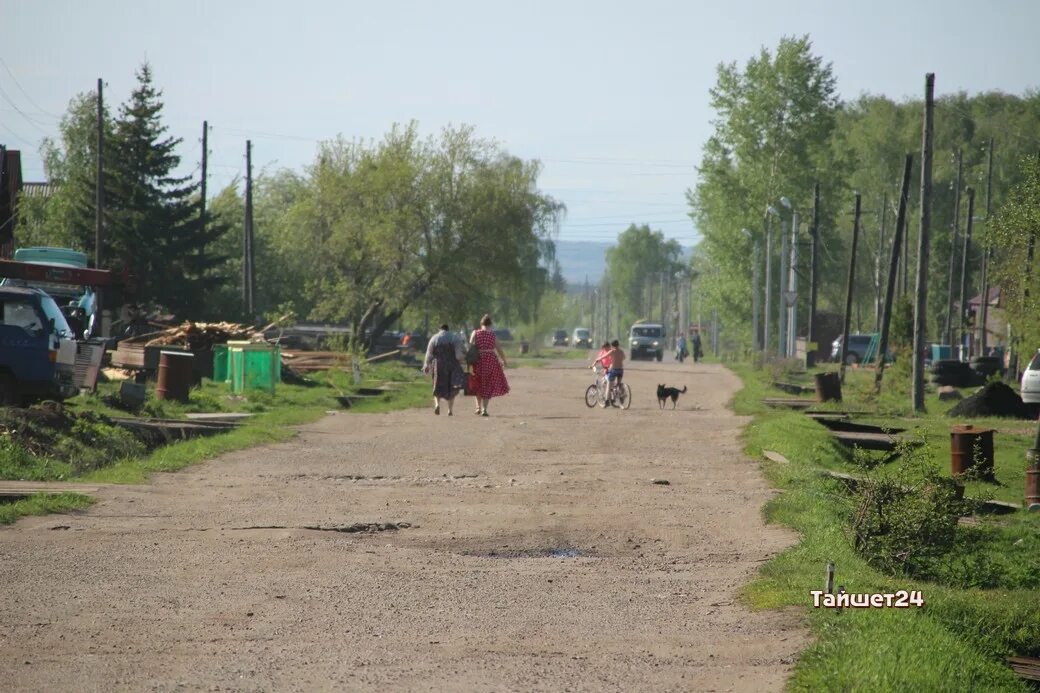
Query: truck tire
{"points": [[9, 396], [660, 355]]}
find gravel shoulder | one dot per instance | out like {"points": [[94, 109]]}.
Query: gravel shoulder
{"points": [[407, 551]]}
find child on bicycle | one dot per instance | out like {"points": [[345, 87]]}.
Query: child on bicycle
{"points": [[616, 369], [603, 357]]}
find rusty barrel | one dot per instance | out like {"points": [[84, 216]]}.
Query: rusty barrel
{"points": [[971, 448], [1032, 478], [175, 375], [828, 386]]}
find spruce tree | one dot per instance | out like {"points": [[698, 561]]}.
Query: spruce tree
{"points": [[155, 229]]}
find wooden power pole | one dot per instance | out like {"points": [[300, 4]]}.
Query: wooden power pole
{"points": [[893, 272], [814, 276], [987, 253], [923, 244], [848, 292], [99, 206], [970, 192], [954, 232], [202, 182], [247, 232]]}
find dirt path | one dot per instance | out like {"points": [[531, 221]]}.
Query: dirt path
{"points": [[539, 556]]}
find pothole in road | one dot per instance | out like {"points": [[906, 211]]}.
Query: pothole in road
{"points": [[355, 528], [560, 552]]}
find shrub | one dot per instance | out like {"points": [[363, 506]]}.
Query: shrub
{"points": [[905, 523]]}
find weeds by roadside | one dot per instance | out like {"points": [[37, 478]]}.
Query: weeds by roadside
{"points": [[979, 580]]}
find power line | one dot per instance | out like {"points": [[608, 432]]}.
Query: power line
{"points": [[28, 98]]}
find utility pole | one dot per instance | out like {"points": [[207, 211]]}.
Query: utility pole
{"points": [[893, 272], [781, 333], [766, 317], [754, 294], [987, 253], [202, 185], [792, 288], [923, 244], [848, 291], [953, 251], [99, 206], [810, 352], [878, 254], [247, 245], [964, 269]]}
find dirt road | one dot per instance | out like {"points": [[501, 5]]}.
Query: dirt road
{"points": [[539, 556]]}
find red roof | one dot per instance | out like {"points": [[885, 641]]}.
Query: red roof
{"points": [[994, 297]]}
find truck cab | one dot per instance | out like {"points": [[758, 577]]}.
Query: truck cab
{"points": [[77, 302], [647, 341], [37, 347]]}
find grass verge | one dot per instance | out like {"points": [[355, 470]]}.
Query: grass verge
{"points": [[957, 642], [43, 504], [77, 444]]}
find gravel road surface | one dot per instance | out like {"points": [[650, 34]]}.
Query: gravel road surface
{"points": [[527, 551]]}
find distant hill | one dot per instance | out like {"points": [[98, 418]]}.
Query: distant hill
{"points": [[581, 259]]}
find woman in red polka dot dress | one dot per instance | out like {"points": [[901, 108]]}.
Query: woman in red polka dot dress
{"points": [[492, 378]]}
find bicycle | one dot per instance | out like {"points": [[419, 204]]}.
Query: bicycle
{"points": [[596, 393], [619, 396]]}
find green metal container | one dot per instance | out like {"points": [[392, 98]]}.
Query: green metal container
{"points": [[220, 363], [254, 366]]}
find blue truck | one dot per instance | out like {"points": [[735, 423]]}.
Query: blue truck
{"points": [[37, 347], [77, 301]]}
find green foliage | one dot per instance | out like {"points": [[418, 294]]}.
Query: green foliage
{"points": [[901, 328], [153, 225], [1015, 232], [774, 120], [906, 522], [641, 263]]}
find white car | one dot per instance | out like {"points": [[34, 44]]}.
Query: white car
{"points": [[1031, 381]]}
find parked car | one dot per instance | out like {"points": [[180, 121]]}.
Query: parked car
{"points": [[581, 338], [647, 340], [503, 334], [1031, 381], [559, 338], [858, 344]]}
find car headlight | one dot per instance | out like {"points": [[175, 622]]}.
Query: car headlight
{"points": [[655, 343], [635, 343]]}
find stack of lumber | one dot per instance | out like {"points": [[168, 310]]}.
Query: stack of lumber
{"points": [[302, 361], [199, 336]]}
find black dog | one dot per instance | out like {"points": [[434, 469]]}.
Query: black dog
{"points": [[663, 393]]}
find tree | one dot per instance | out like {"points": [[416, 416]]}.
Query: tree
{"points": [[1016, 232], [771, 139], [155, 228], [451, 225], [67, 217], [636, 266]]}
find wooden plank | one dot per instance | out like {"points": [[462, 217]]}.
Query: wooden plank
{"points": [[774, 456], [24, 489], [778, 402], [1027, 668]]}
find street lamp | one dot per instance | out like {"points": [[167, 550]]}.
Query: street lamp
{"points": [[771, 211], [754, 288]]}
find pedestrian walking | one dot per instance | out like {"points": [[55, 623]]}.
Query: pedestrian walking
{"points": [[444, 354], [698, 354], [488, 368]]}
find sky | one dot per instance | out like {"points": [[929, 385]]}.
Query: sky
{"points": [[612, 97]]}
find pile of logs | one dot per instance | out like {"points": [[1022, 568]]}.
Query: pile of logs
{"points": [[197, 336], [303, 361]]}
